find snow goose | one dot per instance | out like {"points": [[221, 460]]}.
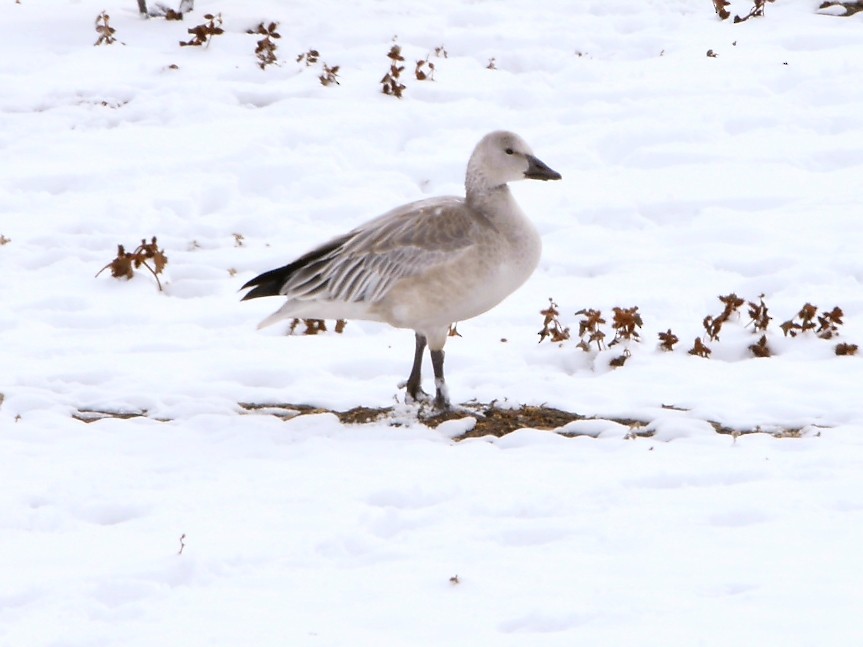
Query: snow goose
{"points": [[426, 264]]}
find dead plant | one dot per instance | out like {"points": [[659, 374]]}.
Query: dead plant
{"points": [[391, 82], [758, 313], [330, 75], [265, 51], [625, 321], [315, 326], [105, 30], [424, 70], [700, 349], [756, 11], [125, 263], [309, 57], [551, 326], [846, 349], [720, 7], [667, 340], [589, 331], [203, 33]]}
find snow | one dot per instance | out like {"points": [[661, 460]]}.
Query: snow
{"points": [[684, 177]]}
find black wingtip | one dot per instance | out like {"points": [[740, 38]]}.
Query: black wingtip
{"points": [[266, 290], [270, 284]]}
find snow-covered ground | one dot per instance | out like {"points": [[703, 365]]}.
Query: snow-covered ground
{"points": [[686, 176]]}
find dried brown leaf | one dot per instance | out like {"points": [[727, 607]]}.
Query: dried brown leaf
{"points": [[700, 349], [846, 349], [758, 314], [760, 348], [667, 340]]}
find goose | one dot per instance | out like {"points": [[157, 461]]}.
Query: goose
{"points": [[426, 264]]}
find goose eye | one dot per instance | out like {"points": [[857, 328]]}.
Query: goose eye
{"points": [[509, 151]]}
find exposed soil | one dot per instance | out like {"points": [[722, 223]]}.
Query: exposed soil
{"points": [[491, 419]]}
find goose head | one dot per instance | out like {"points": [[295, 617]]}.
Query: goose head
{"points": [[502, 157]]}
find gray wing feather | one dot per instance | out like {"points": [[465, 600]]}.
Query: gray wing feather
{"points": [[402, 243]]}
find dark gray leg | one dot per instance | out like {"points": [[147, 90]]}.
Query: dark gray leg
{"points": [[414, 383], [441, 398]]}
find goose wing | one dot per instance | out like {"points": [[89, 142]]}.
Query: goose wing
{"points": [[364, 264]]}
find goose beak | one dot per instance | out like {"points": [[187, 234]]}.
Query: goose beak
{"points": [[538, 170]]}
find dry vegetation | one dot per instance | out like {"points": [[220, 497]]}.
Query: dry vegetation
{"points": [[551, 327], [391, 82], [105, 30], [626, 323], [425, 68], [330, 73], [146, 255], [757, 10], [203, 33], [315, 326], [265, 51]]}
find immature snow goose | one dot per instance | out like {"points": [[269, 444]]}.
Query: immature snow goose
{"points": [[426, 264]]}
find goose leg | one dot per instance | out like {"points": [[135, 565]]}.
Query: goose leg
{"points": [[441, 398], [414, 383]]}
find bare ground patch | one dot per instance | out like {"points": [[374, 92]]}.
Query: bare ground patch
{"points": [[491, 419]]}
